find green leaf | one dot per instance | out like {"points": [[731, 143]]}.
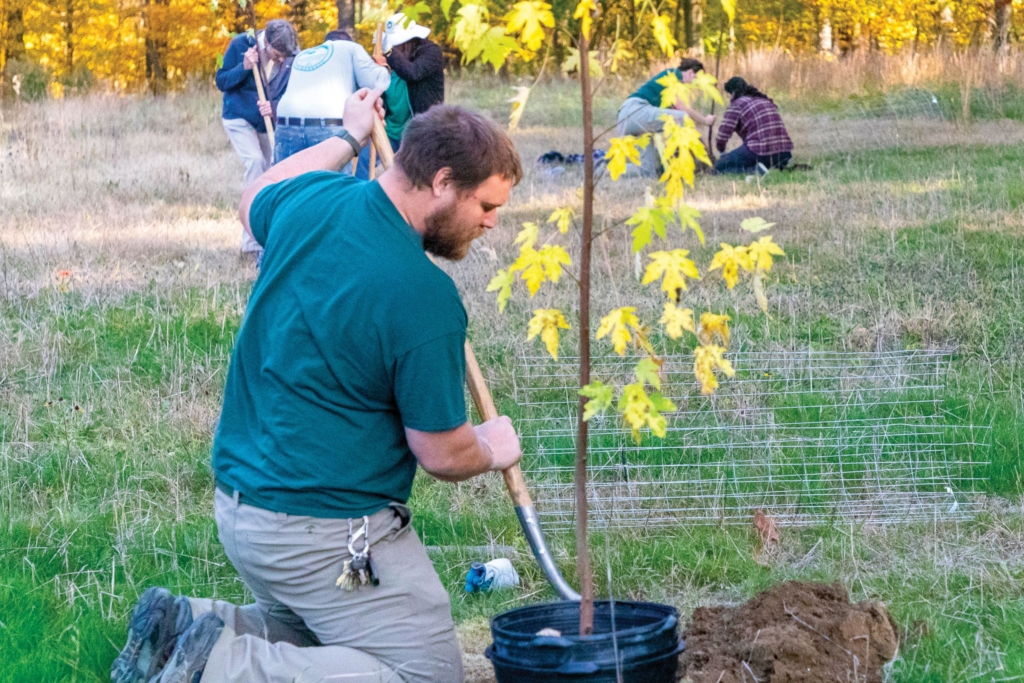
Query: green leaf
{"points": [[688, 219], [600, 399], [662, 404], [413, 13], [649, 220], [446, 7], [647, 371], [755, 224]]}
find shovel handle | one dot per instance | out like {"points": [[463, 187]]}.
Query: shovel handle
{"points": [[485, 408], [514, 480], [267, 121]]}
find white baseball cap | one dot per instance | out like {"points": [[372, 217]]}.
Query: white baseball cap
{"points": [[396, 31]]}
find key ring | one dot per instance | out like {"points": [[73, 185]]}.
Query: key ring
{"points": [[363, 532]]}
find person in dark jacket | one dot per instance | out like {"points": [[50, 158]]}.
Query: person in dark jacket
{"points": [[241, 116], [417, 61], [754, 117]]}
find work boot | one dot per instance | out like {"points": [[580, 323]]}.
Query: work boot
{"points": [[192, 651], [155, 624]]}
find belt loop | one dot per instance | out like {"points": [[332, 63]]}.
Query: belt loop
{"points": [[235, 496], [323, 123]]}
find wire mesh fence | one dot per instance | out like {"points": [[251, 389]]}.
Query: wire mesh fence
{"points": [[806, 436]]}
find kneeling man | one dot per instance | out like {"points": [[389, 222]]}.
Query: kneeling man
{"points": [[348, 371]]}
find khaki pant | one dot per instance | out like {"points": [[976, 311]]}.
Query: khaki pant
{"points": [[638, 116], [304, 629], [254, 150]]}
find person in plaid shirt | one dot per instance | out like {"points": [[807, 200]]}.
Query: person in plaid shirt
{"points": [[754, 117]]}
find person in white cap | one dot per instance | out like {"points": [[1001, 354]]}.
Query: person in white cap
{"points": [[417, 60]]}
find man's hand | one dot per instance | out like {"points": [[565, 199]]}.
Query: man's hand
{"points": [[251, 58], [709, 120], [466, 451], [265, 108], [499, 437], [381, 61], [361, 108]]}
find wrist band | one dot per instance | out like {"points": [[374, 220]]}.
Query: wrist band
{"points": [[347, 137]]}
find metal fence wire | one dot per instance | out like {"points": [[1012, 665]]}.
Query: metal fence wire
{"points": [[809, 437]]}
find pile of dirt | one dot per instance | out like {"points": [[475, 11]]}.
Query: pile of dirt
{"points": [[794, 633]]}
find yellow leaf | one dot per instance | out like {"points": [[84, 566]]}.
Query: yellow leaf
{"points": [[672, 267], [682, 144], [585, 13], [528, 235], [623, 150], [730, 9], [676, 320], [572, 63], [546, 322], [712, 325], [502, 284], [469, 26], [529, 18], [621, 53], [536, 267], [707, 359], [662, 28], [562, 218], [708, 85], [618, 323], [641, 411], [600, 399], [518, 106], [730, 259], [761, 252]]}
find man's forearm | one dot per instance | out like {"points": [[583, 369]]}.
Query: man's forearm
{"points": [[330, 155], [454, 455]]}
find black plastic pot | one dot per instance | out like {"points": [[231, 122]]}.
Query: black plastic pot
{"points": [[646, 644]]}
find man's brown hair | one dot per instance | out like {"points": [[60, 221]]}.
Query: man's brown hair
{"points": [[689, 64], [445, 136]]}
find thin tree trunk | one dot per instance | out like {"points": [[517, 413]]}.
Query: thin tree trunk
{"points": [[156, 49], [582, 545], [347, 16], [1003, 14], [69, 37]]}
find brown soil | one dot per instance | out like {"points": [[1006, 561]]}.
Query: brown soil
{"points": [[793, 633]]}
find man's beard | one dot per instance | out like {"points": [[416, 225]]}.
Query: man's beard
{"points": [[442, 238]]}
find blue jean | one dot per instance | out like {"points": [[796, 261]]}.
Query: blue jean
{"points": [[363, 169], [742, 160], [290, 140]]}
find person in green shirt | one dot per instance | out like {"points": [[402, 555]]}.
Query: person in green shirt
{"points": [[347, 373], [642, 111]]}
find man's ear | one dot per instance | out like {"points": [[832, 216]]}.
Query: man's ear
{"points": [[442, 181]]}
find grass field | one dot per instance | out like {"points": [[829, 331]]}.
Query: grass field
{"points": [[121, 290]]}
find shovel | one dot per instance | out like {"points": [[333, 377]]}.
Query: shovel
{"points": [[514, 481]]}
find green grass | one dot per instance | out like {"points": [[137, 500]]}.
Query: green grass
{"points": [[889, 248]]}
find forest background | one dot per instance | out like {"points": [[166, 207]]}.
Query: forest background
{"points": [[57, 47]]}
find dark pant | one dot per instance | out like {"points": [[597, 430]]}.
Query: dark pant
{"points": [[742, 160], [289, 140], [363, 168]]}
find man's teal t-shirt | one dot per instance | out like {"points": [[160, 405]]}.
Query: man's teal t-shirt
{"points": [[651, 90], [351, 335]]}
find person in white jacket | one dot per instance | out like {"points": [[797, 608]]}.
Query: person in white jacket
{"points": [[312, 108]]}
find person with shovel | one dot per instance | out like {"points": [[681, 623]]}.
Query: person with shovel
{"points": [[241, 115], [347, 373]]}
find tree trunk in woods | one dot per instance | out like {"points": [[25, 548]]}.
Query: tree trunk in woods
{"points": [[696, 25], [12, 39], [580, 475], [156, 46], [684, 23], [1001, 34], [69, 36], [347, 16]]}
